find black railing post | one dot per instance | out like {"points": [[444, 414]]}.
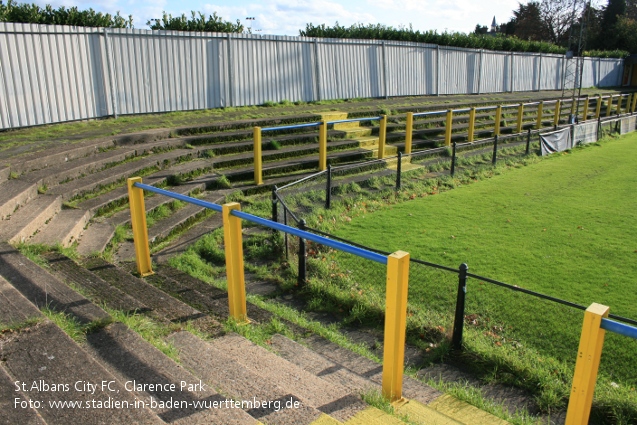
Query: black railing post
{"points": [[453, 159], [599, 128], [458, 324], [399, 167], [528, 141], [285, 221], [275, 207], [302, 278], [328, 189], [494, 158]]}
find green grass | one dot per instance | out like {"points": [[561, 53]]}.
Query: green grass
{"points": [[563, 226]]}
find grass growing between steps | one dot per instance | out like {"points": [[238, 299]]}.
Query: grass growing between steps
{"points": [[34, 252], [71, 326]]}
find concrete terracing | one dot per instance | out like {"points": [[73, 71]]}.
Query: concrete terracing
{"points": [[74, 194]]}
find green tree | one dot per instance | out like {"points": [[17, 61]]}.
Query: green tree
{"points": [[197, 22], [33, 14]]}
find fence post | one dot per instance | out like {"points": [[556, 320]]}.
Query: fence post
{"points": [[233, 242], [382, 136], [395, 325], [494, 158], [618, 111], [399, 167], [599, 128], [323, 146], [258, 175], [528, 141], [609, 105], [585, 113], [328, 189], [409, 132], [540, 115], [448, 127], [634, 104], [453, 159], [629, 99], [140, 229], [472, 124], [458, 323], [558, 111], [520, 117], [498, 120], [302, 278], [589, 354], [275, 208], [598, 107]]}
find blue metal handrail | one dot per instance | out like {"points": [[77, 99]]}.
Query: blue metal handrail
{"points": [[369, 255], [355, 120], [619, 328], [289, 127]]}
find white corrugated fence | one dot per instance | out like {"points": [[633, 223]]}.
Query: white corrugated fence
{"points": [[51, 74]]}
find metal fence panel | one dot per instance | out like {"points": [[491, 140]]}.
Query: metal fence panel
{"points": [[525, 72], [54, 74], [459, 71], [551, 72], [411, 70]]}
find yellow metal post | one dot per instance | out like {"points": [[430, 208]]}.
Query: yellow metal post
{"points": [[585, 114], [382, 136], [520, 117], [587, 365], [634, 103], [448, 127], [323, 146], [629, 99], [558, 110], [598, 107], [233, 242], [409, 131], [619, 105], [540, 115], [258, 173], [395, 325], [472, 124], [498, 119], [609, 105], [140, 229]]}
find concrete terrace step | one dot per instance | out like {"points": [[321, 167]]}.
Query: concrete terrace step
{"points": [[336, 373], [14, 194], [31, 217], [130, 358], [15, 307], [220, 370], [192, 235], [120, 194], [112, 175], [43, 289], [64, 228], [10, 414], [331, 398], [95, 238], [96, 288], [163, 305], [45, 354], [162, 228], [152, 202], [412, 389]]}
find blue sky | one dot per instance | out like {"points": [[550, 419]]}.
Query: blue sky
{"points": [[286, 17]]}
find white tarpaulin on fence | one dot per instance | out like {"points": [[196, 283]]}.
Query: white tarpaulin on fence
{"points": [[585, 133], [556, 141], [627, 125]]}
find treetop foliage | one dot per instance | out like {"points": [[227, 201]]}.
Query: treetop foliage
{"points": [[34, 14], [197, 22]]}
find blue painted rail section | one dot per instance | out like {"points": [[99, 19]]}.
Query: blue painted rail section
{"points": [[619, 328], [363, 253]]}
